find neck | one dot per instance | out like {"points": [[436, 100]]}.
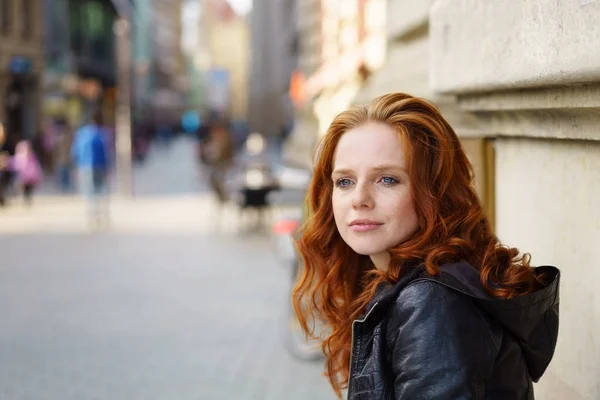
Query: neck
{"points": [[381, 260]]}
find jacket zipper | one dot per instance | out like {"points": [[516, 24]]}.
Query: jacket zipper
{"points": [[360, 321]]}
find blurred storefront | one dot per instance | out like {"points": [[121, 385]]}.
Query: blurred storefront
{"points": [[81, 60], [354, 44], [21, 66], [341, 43], [168, 84], [299, 145], [80, 73], [142, 49]]}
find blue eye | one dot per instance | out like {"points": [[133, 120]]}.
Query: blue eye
{"points": [[388, 180], [343, 182]]}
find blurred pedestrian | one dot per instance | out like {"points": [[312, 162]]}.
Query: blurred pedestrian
{"points": [[62, 155], [164, 135], [28, 170], [5, 176], [202, 144], [48, 137], [220, 157], [421, 299], [7, 150], [90, 154]]}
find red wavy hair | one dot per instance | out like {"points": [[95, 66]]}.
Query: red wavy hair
{"points": [[336, 284]]}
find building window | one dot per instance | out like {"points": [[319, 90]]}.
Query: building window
{"points": [[27, 16], [5, 17]]}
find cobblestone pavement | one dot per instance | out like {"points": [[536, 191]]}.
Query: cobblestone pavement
{"points": [[167, 304]]}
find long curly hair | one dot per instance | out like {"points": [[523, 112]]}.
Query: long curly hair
{"points": [[335, 284]]}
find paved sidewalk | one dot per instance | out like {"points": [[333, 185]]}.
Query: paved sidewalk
{"points": [[172, 303], [147, 312]]}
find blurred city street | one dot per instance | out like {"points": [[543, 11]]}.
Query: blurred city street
{"points": [[215, 108], [164, 305]]}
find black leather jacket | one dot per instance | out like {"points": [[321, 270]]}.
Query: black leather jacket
{"points": [[444, 338]]}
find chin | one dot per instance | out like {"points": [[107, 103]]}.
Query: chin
{"points": [[367, 249]]}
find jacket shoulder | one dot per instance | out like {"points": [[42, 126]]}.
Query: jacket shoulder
{"points": [[434, 308], [434, 331], [430, 289]]}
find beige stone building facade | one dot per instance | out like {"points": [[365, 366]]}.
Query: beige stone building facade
{"points": [[530, 72], [21, 66]]}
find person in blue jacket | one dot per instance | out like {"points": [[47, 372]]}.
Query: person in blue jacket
{"points": [[90, 155]]}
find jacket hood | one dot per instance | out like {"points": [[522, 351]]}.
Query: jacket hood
{"points": [[531, 318]]}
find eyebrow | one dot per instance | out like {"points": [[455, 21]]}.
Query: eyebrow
{"points": [[378, 168]]}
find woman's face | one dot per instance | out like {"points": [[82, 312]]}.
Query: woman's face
{"points": [[372, 196]]}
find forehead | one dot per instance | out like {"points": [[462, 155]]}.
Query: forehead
{"points": [[371, 143]]}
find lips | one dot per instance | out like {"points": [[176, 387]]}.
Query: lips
{"points": [[364, 225]]}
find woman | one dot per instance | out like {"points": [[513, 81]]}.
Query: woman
{"points": [[420, 299], [28, 169]]}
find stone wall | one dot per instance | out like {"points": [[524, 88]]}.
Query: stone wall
{"points": [[547, 204], [529, 71]]}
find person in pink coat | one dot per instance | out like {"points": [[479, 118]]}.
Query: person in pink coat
{"points": [[28, 170]]}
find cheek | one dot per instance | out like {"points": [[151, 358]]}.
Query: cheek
{"points": [[340, 208], [409, 216], [405, 210], [337, 206]]}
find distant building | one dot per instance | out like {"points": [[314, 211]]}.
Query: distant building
{"points": [[274, 53], [227, 43], [167, 60], [80, 61], [300, 144], [21, 67]]}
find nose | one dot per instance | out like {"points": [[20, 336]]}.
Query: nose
{"points": [[362, 196]]}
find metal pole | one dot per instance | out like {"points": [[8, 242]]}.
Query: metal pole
{"points": [[122, 30]]}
